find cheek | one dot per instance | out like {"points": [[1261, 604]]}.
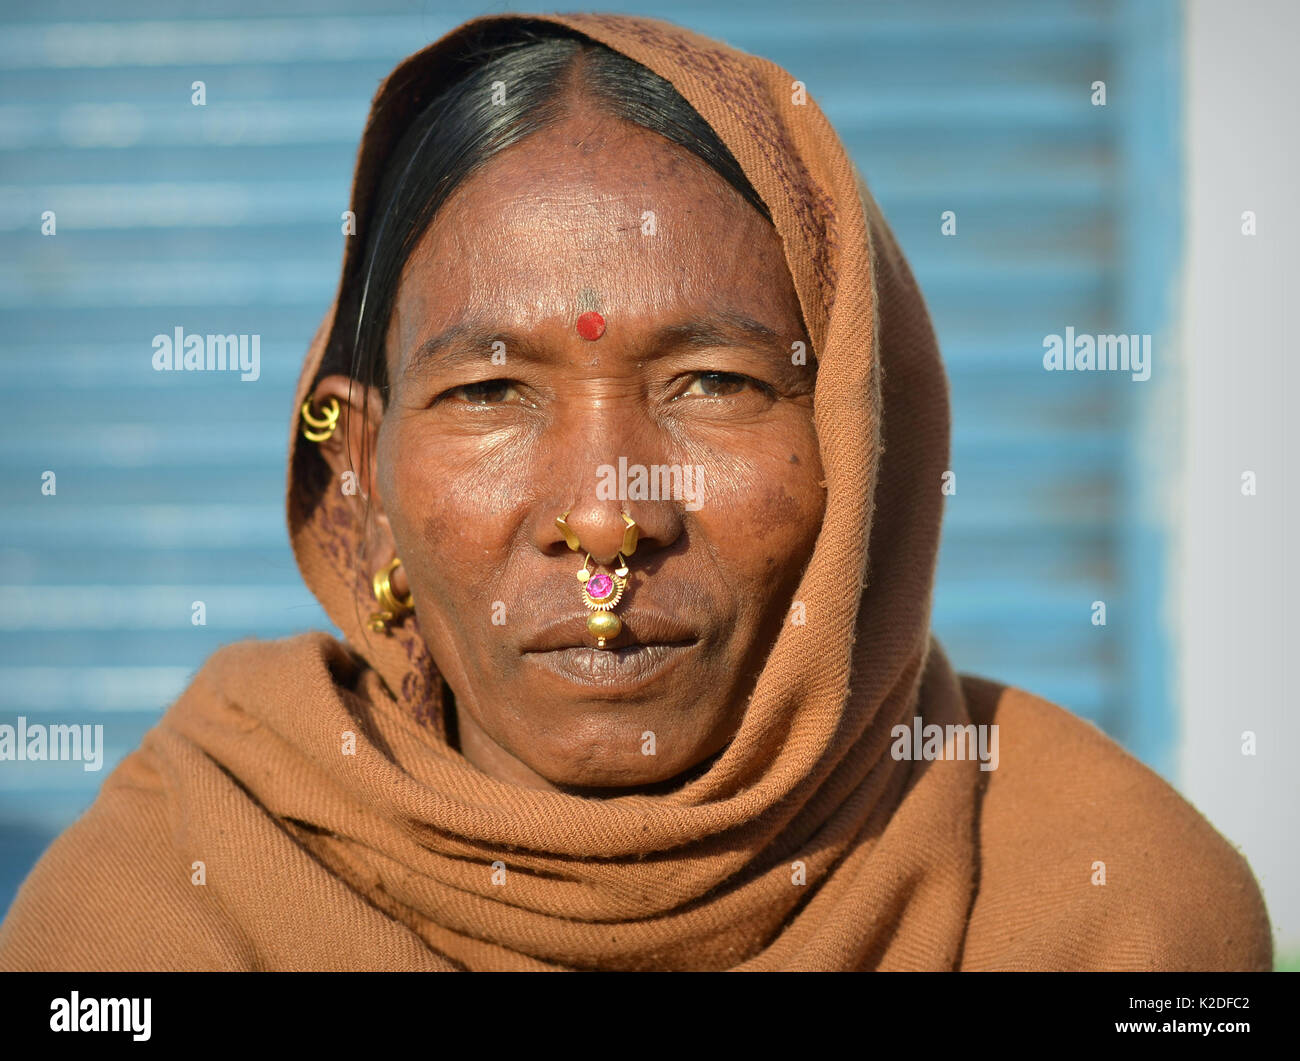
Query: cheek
{"points": [[455, 504], [762, 511], [454, 507]]}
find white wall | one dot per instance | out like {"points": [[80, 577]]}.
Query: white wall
{"points": [[1236, 567]]}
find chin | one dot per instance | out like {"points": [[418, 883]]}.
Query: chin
{"points": [[637, 762], [630, 776]]}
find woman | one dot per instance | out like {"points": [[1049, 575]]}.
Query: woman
{"points": [[618, 308]]}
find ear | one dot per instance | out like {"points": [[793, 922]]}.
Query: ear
{"points": [[350, 450]]}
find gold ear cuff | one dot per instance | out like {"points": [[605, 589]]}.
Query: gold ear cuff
{"points": [[320, 428]]}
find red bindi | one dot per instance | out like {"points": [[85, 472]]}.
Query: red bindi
{"points": [[591, 325]]}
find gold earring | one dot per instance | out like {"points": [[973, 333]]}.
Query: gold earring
{"points": [[602, 592], [324, 424], [392, 609]]}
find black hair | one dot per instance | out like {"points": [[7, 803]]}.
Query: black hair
{"points": [[464, 128]]}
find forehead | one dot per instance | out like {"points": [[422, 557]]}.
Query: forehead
{"points": [[591, 207]]}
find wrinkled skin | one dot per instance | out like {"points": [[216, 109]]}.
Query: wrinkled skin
{"points": [[473, 460]]}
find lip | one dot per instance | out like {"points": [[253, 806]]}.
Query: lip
{"points": [[621, 670], [647, 647], [640, 627]]}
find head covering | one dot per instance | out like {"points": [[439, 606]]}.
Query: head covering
{"points": [[702, 877], [804, 845]]}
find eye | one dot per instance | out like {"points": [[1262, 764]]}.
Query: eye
{"points": [[484, 392], [721, 384]]}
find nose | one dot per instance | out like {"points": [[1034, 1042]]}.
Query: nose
{"points": [[603, 449], [605, 523], [605, 538]]}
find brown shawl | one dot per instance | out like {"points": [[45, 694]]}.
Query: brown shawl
{"points": [[312, 859]]}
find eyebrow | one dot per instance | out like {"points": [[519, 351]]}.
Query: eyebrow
{"points": [[470, 341], [718, 328], [467, 342]]}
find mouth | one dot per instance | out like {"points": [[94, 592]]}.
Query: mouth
{"points": [[646, 648], [622, 669]]}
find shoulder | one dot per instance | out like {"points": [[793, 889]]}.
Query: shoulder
{"points": [[121, 888], [287, 662], [1089, 860], [113, 892]]}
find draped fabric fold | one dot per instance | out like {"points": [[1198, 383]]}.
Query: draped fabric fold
{"points": [[805, 845]]}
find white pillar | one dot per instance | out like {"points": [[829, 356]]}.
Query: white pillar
{"points": [[1239, 325]]}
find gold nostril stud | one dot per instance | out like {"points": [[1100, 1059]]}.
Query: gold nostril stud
{"points": [[569, 536]]}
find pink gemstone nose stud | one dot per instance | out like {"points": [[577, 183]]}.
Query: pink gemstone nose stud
{"points": [[601, 592]]}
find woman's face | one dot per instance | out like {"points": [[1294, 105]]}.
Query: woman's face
{"points": [[502, 417]]}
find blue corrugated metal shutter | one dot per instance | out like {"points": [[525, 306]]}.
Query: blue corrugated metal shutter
{"points": [[226, 219]]}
